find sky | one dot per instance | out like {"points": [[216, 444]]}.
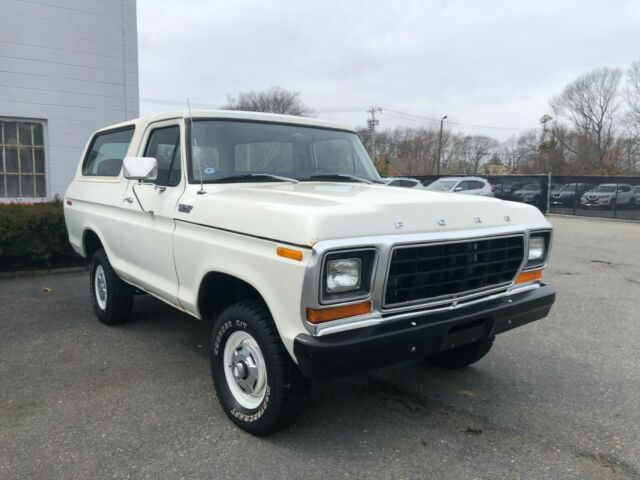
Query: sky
{"points": [[490, 66]]}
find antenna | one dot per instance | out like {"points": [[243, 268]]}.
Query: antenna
{"points": [[195, 143]]}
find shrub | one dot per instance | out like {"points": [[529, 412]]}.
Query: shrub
{"points": [[34, 236]]}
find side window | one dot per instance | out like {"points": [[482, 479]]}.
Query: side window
{"points": [[475, 185], [624, 188], [466, 185], [164, 145], [106, 153]]}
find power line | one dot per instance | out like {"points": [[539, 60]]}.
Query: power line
{"points": [[346, 109], [461, 124]]}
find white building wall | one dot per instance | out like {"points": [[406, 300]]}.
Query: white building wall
{"points": [[73, 64]]}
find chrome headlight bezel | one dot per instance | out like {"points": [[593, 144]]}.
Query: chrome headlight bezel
{"points": [[367, 258]]}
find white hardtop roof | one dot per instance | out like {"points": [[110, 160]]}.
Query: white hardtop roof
{"points": [[233, 115]]}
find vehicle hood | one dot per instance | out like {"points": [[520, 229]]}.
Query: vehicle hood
{"points": [[308, 212]]}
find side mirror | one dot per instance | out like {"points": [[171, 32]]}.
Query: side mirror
{"points": [[140, 168], [457, 189]]}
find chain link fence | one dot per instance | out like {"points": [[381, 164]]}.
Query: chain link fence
{"points": [[590, 196]]}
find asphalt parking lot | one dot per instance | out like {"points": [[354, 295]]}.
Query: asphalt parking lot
{"points": [[556, 399]]}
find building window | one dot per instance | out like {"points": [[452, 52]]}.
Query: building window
{"points": [[22, 172]]}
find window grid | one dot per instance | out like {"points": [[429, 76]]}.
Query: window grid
{"points": [[23, 143]]}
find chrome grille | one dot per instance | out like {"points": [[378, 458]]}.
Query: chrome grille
{"points": [[420, 273]]}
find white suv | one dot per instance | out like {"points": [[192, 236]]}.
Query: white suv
{"points": [[610, 195], [279, 230], [466, 185]]}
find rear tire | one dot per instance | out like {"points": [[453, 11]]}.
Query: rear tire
{"points": [[259, 386], [112, 299], [463, 355]]}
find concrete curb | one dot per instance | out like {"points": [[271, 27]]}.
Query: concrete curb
{"points": [[39, 273]]}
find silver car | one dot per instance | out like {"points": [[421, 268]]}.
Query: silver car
{"points": [[466, 185]]}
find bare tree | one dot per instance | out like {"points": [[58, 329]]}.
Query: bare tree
{"points": [[273, 100], [632, 93], [590, 103]]}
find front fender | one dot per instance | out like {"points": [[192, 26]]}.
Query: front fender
{"points": [[199, 250]]}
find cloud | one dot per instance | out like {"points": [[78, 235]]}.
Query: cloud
{"points": [[482, 62]]}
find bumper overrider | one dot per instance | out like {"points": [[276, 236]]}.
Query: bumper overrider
{"points": [[399, 340]]}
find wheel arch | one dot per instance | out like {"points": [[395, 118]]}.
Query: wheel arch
{"points": [[91, 243], [218, 290]]}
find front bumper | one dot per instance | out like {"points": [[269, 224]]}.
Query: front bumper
{"points": [[387, 343]]}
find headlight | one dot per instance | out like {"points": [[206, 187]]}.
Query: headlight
{"points": [[343, 275], [347, 275], [538, 249]]}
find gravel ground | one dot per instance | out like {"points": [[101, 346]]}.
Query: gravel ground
{"points": [[557, 399]]}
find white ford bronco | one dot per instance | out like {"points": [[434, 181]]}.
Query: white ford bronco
{"points": [[280, 231]]}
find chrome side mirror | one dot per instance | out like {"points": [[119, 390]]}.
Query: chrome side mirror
{"points": [[140, 168], [457, 189]]}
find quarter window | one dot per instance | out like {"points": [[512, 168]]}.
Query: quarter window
{"points": [[22, 165], [106, 153], [164, 146]]}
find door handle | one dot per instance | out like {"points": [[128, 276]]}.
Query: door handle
{"points": [[128, 200]]}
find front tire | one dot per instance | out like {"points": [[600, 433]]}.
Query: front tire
{"points": [[259, 387], [112, 298], [462, 356]]}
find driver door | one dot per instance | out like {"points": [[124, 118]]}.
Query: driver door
{"points": [[148, 237]]}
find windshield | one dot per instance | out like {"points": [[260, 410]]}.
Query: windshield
{"points": [[442, 185], [604, 188], [222, 149], [532, 187]]}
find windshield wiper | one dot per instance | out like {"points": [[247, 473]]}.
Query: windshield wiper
{"points": [[340, 176], [247, 176]]}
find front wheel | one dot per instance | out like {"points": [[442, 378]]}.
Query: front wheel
{"points": [[259, 387], [463, 355], [112, 298]]}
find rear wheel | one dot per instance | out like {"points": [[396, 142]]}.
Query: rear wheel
{"points": [[258, 385], [112, 298], [463, 355]]}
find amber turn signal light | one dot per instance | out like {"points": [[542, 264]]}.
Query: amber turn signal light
{"points": [[525, 277], [289, 253], [319, 315]]}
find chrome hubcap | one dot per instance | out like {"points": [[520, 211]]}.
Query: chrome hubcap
{"points": [[245, 369], [100, 285]]}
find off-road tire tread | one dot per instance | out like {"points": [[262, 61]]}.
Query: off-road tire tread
{"points": [[119, 293], [463, 356], [288, 393]]}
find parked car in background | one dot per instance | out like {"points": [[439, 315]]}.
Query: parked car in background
{"points": [[609, 195], [529, 193], [466, 185], [405, 182], [636, 194], [504, 191], [569, 194]]}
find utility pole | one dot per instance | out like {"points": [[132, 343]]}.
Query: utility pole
{"points": [[373, 123], [440, 145]]}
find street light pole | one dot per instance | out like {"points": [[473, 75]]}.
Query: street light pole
{"points": [[440, 145]]}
